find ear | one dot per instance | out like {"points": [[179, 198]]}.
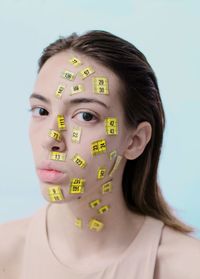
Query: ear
{"points": [[137, 141]]}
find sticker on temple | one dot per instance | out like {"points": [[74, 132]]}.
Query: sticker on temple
{"points": [[79, 88], [107, 187], [75, 61], [68, 75], [86, 72], [55, 193], [103, 209], [57, 156], [76, 135], [111, 126], [79, 223], [101, 172], [61, 123], [98, 147], [77, 159], [55, 135], [95, 225], [60, 91], [116, 165], [100, 85], [94, 203], [77, 186]]}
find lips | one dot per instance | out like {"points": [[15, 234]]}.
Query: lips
{"points": [[51, 175]]}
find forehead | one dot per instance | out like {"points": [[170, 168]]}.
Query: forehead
{"points": [[50, 75]]}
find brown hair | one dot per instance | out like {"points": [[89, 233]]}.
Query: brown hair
{"points": [[141, 101]]}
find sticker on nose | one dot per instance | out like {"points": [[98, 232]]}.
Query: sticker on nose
{"points": [[55, 135], [61, 123]]}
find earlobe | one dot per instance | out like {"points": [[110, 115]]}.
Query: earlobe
{"points": [[138, 140]]}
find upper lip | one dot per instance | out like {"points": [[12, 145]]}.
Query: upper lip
{"points": [[49, 166]]}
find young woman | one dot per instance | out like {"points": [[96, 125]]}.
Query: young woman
{"points": [[96, 132]]}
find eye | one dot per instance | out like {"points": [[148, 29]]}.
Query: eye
{"points": [[39, 111], [86, 116]]}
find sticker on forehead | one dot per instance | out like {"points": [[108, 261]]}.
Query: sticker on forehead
{"points": [[98, 147], [55, 193], [77, 186], [55, 135], [116, 165], [95, 225], [100, 85], [68, 75], [86, 72], [76, 135], [57, 156], [101, 172], [107, 187], [79, 223], [103, 209], [111, 126], [79, 88], [75, 61], [113, 155], [77, 159], [61, 123], [60, 90], [94, 203]]}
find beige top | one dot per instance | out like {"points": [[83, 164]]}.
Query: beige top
{"points": [[32, 258]]}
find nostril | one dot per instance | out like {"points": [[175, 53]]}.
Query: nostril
{"points": [[55, 148]]}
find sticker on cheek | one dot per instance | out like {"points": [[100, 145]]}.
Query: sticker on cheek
{"points": [[103, 209], [94, 203], [60, 90], [77, 186], [95, 225], [101, 172], [116, 165], [76, 135], [61, 123], [111, 126], [98, 147], [77, 159], [55, 135], [69, 75], [55, 193], [79, 88], [112, 155], [86, 72], [100, 85], [57, 156], [79, 223], [107, 187], [75, 61]]}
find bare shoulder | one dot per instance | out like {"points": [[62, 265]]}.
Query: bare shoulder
{"points": [[178, 256], [12, 243]]}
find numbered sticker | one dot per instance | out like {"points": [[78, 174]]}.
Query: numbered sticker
{"points": [[55, 135], [61, 123], [79, 223], [107, 187], [69, 75], [79, 88], [101, 172], [113, 155], [116, 165], [86, 72], [55, 193], [111, 126], [78, 160], [103, 209], [100, 85], [57, 156], [98, 147], [75, 61], [76, 135], [60, 91], [94, 203], [77, 186], [95, 225]]}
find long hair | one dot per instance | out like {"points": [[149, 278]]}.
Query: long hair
{"points": [[141, 101]]}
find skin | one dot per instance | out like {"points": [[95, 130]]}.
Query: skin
{"points": [[82, 248]]}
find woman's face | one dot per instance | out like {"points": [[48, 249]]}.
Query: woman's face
{"points": [[87, 137]]}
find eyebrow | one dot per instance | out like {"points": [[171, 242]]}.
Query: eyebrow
{"points": [[73, 101]]}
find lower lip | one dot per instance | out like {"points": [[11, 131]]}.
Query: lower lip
{"points": [[51, 176]]}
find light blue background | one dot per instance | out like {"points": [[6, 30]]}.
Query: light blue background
{"points": [[167, 32]]}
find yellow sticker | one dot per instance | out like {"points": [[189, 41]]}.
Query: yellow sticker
{"points": [[111, 125], [101, 173], [103, 209], [113, 155], [79, 88], [69, 75], [61, 123], [98, 147], [55, 135], [100, 85], [75, 61], [57, 156], [95, 225], [79, 223], [55, 193], [116, 165], [107, 187], [86, 72], [77, 159], [60, 90], [94, 203], [76, 135], [77, 186]]}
